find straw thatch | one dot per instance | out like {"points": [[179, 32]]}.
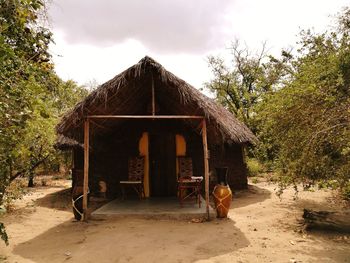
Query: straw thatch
{"points": [[64, 143], [129, 92]]}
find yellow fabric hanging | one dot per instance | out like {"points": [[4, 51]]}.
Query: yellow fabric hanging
{"points": [[180, 149], [143, 149]]}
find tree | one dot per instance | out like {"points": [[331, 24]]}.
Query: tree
{"points": [[24, 65], [305, 126], [32, 96], [241, 86]]}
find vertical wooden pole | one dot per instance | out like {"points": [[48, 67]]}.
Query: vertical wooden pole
{"points": [[73, 157], [206, 165], [153, 99], [86, 168]]}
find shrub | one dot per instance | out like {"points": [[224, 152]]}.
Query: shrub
{"points": [[254, 167], [43, 182], [13, 192]]}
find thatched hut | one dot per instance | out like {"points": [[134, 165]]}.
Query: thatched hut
{"points": [[146, 110]]}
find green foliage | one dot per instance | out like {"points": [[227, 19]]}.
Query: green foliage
{"points": [[3, 234], [255, 180], [240, 87], [304, 127], [346, 190], [43, 182], [255, 168], [298, 106], [32, 97], [13, 192]]}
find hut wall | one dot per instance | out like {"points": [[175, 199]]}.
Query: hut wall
{"points": [[78, 167], [230, 156], [78, 158], [111, 161], [109, 155], [194, 149]]}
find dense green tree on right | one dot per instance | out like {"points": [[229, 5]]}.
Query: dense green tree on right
{"points": [[304, 126]]}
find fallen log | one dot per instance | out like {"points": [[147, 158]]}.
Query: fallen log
{"points": [[325, 220]]}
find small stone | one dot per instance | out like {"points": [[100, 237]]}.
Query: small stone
{"points": [[67, 253], [292, 242], [255, 229], [196, 220]]}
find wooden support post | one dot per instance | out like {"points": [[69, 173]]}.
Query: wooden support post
{"points": [[206, 165], [86, 169], [153, 99]]}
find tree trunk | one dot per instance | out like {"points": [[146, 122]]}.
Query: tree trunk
{"points": [[31, 181], [21, 173], [324, 220]]}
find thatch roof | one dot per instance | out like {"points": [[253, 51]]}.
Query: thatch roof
{"points": [[64, 143], [129, 93]]}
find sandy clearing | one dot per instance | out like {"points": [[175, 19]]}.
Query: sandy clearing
{"points": [[260, 228]]}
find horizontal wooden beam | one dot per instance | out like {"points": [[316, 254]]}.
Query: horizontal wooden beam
{"points": [[144, 117]]}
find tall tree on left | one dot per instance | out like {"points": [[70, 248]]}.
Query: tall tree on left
{"points": [[29, 91], [24, 69]]}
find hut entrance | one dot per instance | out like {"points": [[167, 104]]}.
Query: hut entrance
{"points": [[162, 164], [162, 156]]}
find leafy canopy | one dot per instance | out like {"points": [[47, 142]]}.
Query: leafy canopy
{"points": [[307, 123], [298, 105], [32, 96]]}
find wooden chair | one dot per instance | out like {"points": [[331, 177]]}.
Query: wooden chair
{"points": [[136, 167], [188, 185]]}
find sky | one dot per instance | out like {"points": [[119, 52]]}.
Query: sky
{"points": [[96, 40]]}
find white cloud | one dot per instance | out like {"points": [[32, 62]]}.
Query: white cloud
{"points": [[84, 62], [279, 22], [161, 25], [99, 39]]}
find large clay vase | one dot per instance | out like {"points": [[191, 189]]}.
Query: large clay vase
{"points": [[222, 194]]}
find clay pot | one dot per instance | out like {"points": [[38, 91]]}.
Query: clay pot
{"points": [[222, 199], [222, 193]]}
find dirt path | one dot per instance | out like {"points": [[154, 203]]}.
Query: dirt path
{"points": [[261, 228]]}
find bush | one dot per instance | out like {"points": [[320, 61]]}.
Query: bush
{"points": [[254, 167], [343, 187], [3, 236], [57, 177], [255, 180], [43, 182], [13, 192], [345, 191]]}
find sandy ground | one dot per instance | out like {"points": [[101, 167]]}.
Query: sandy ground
{"points": [[260, 228]]}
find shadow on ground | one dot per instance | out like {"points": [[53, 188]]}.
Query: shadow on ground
{"points": [[329, 204], [60, 200], [252, 195], [336, 251], [328, 246], [133, 240]]}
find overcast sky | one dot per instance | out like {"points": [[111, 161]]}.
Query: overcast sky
{"points": [[95, 40]]}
